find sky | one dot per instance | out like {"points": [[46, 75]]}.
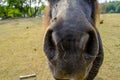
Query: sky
{"points": [[107, 0]]}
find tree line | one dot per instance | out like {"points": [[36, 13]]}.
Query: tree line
{"points": [[110, 7], [32, 8], [20, 8]]}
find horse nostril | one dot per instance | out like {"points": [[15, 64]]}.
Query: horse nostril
{"points": [[92, 44], [54, 19], [49, 45], [56, 5]]}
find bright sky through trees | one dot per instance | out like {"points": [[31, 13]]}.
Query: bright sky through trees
{"points": [[107, 0]]}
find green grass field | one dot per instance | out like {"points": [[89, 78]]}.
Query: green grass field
{"points": [[21, 42]]}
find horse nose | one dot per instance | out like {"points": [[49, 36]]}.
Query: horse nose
{"points": [[69, 40]]}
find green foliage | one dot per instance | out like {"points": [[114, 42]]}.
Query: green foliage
{"points": [[118, 9], [42, 7], [13, 12], [111, 11], [1, 11], [9, 12], [20, 8], [110, 7]]}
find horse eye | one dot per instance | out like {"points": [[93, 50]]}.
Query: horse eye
{"points": [[91, 1]]}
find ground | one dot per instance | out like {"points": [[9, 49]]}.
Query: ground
{"points": [[21, 43]]}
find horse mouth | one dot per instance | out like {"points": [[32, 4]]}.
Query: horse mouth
{"points": [[75, 44], [69, 59], [70, 54]]}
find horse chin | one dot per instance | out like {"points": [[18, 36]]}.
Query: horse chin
{"points": [[69, 76], [65, 69], [62, 76]]}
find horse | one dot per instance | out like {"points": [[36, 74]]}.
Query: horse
{"points": [[72, 43]]}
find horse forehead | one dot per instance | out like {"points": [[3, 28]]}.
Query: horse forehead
{"points": [[70, 2], [73, 4]]}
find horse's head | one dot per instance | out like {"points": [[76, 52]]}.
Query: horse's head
{"points": [[71, 42]]}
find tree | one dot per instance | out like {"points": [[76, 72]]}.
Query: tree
{"points": [[110, 7], [111, 11], [118, 9], [20, 8]]}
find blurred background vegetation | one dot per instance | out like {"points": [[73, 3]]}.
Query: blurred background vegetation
{"points": [[110, 7], [33, 8], [20, 8]]}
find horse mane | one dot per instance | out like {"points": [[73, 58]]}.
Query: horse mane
{"points": [[46, 17], [96, 14]]}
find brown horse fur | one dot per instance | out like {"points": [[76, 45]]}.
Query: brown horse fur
{"points": [[46, 18], [69, 52]]}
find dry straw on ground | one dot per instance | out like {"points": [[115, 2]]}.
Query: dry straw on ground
{"points": [[21, 51]]}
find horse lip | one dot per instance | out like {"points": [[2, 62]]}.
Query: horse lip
{"points": [[66, 75]]}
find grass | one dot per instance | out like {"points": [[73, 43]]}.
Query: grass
{"points": [[21, 52], [110, 33], [21, 49]]}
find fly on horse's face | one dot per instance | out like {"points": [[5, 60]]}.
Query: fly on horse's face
{"points": [[72, 44]]}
